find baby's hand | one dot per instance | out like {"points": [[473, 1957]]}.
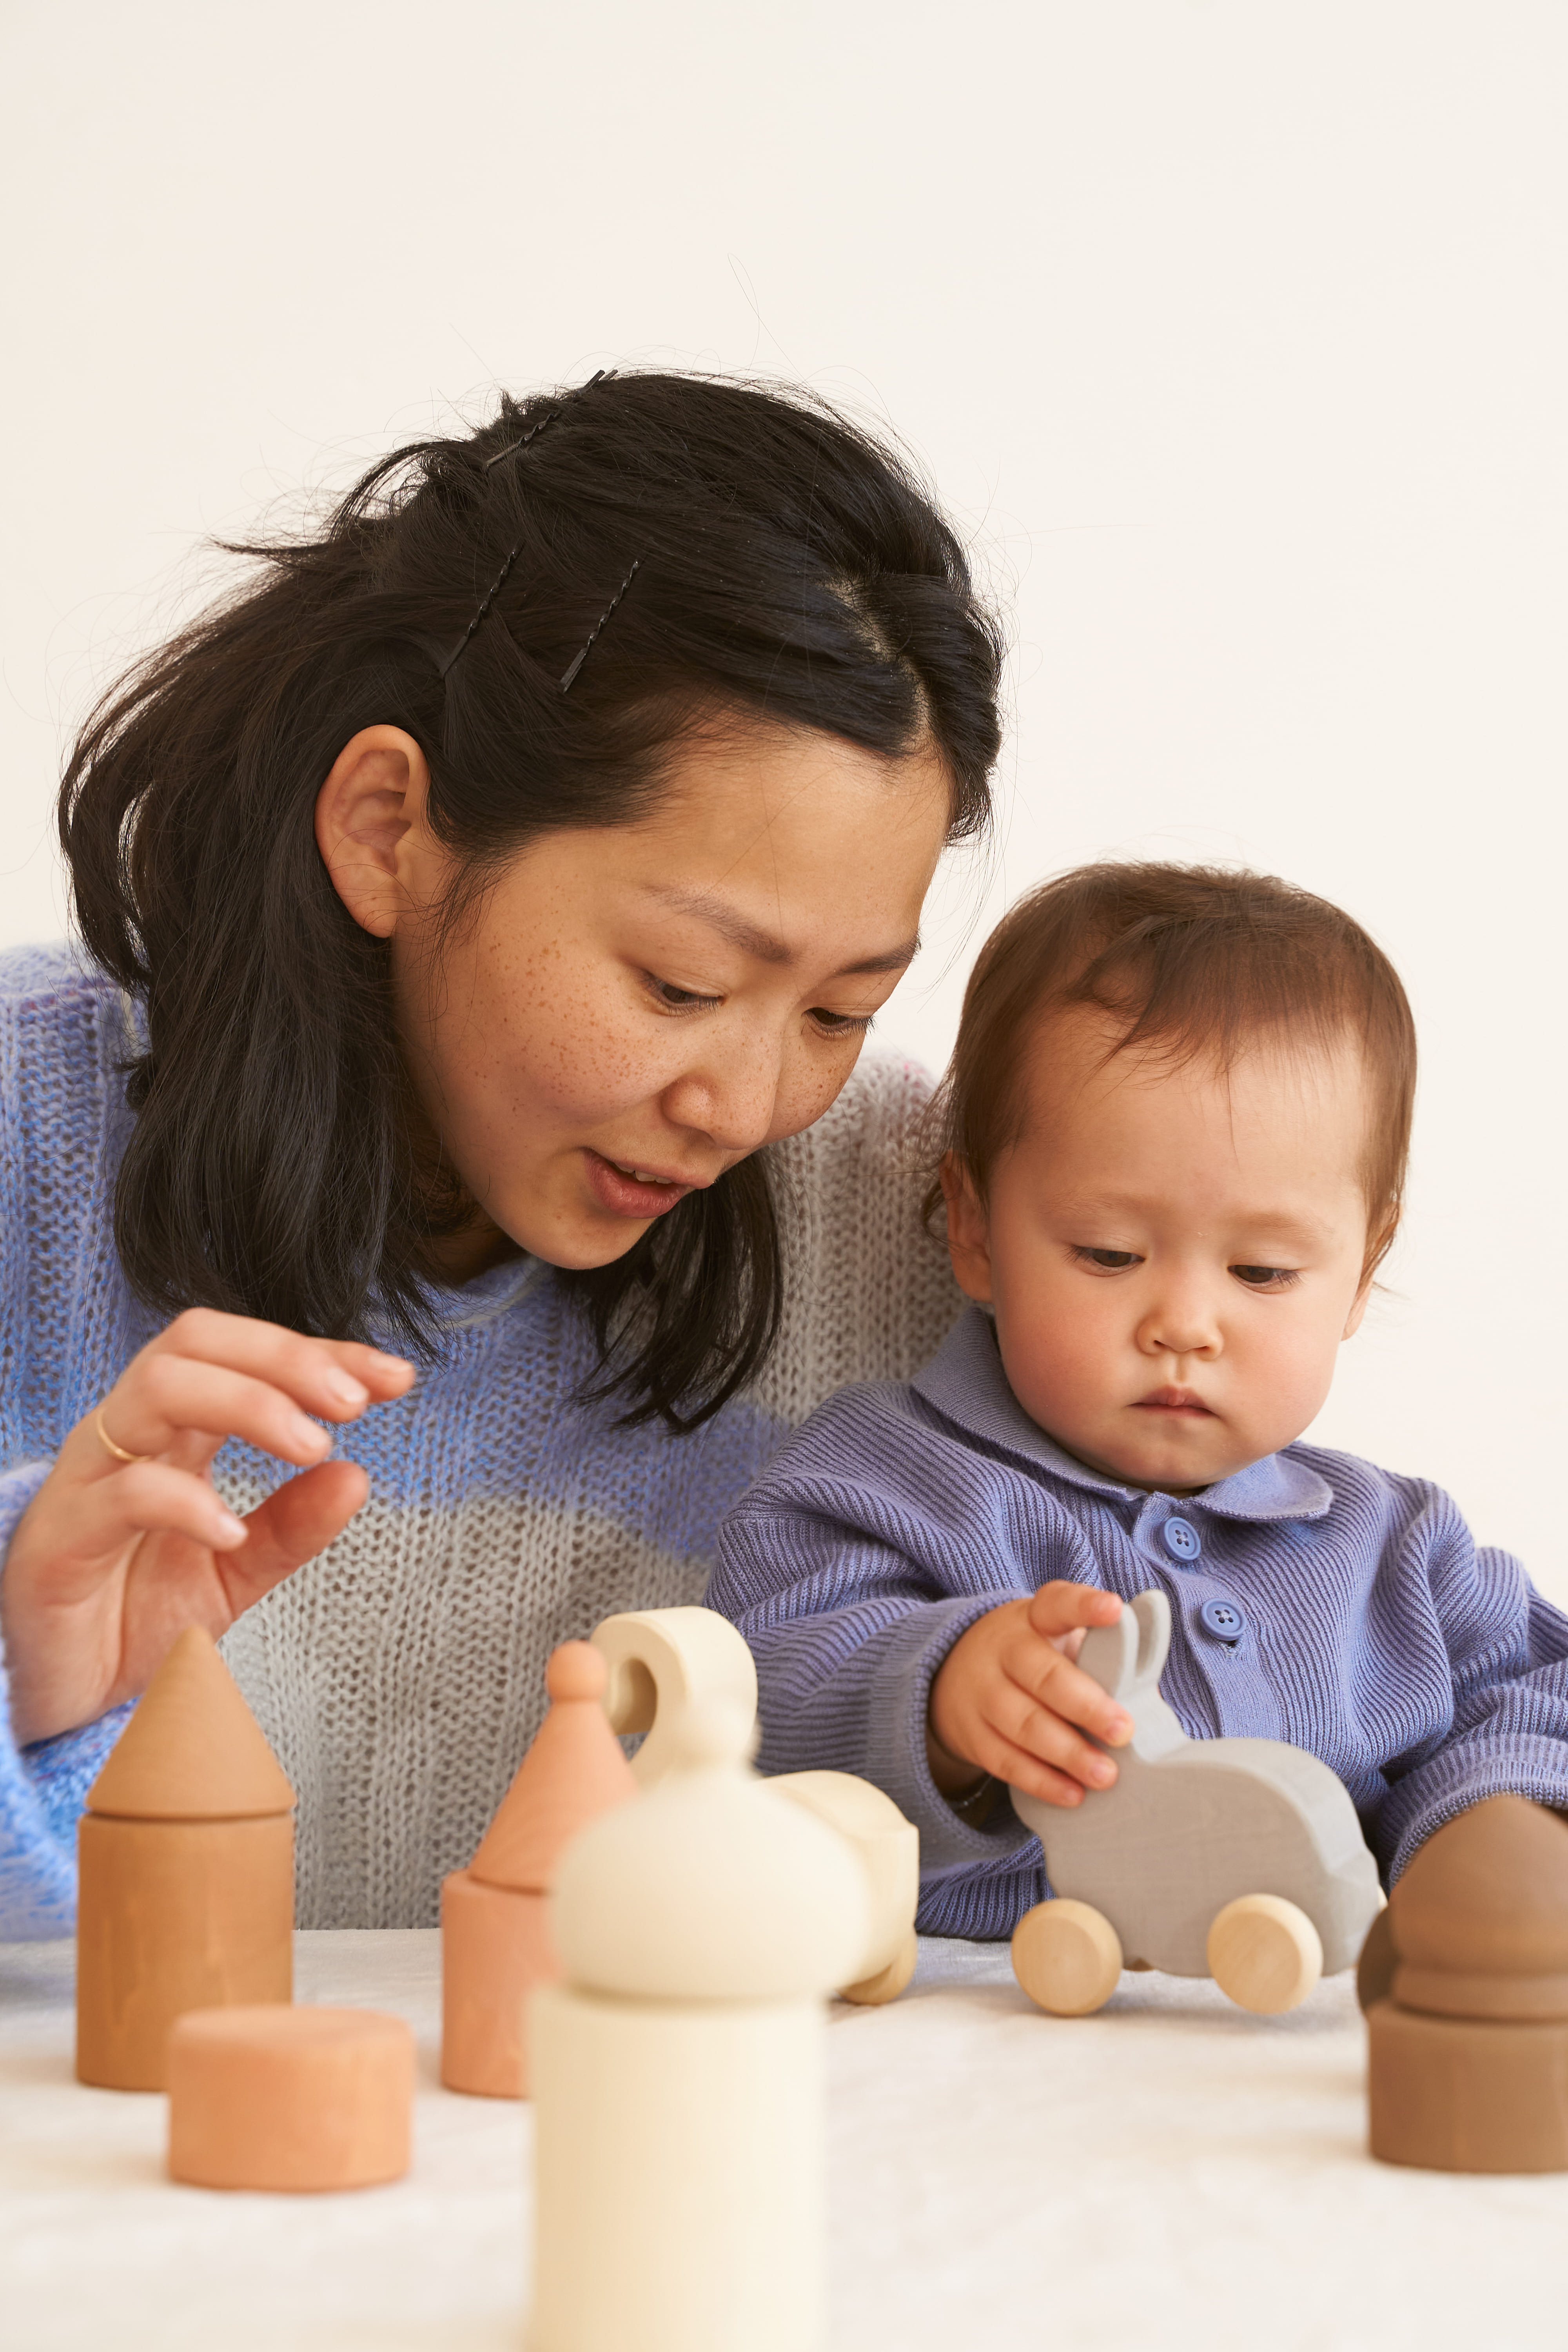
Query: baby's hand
{"points": [[1008, 1700]]}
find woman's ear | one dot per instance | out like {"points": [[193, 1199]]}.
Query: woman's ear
{"points": [[370, 826], [968, 1229]]}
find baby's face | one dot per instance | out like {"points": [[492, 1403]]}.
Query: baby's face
{"points": [[1172, 1256]]}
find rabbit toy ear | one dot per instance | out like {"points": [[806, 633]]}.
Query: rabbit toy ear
{"points": [[1130, 1655], [1110, 1654], [1153, 1613]]}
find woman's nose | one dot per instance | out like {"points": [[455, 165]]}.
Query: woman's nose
{"points": [[730, 1093]]}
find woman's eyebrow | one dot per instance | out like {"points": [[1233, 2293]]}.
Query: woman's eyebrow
{"points": [[731, 925]]}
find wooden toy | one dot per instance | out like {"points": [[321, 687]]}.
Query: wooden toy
{"points": [[495, 1935], [679, 2068], [1238, 1859], [1467, 2045], [186, 1854], [663, 1661], [285, 2098]]}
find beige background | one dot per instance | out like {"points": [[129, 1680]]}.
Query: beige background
{"points": [[1234, 332]]}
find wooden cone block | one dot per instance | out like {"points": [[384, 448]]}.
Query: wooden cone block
{"points": [[186, 1854], [290, 2098], [496, 1944]]}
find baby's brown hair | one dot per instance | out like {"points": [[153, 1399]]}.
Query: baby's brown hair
{"points": [[1193, 961]]}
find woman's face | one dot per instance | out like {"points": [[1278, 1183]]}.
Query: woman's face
{"points": [[629, 1010]]}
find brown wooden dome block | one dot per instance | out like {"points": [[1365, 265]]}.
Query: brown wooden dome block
{"points": [[1479, 1919], [1460, 2095], [293, 2099]]}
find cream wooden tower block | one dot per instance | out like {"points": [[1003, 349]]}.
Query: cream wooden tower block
{"points": [[679, 2068], [663, 1661], [495, 1944], [187, 1853]]}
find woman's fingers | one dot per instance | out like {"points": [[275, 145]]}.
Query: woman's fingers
{"points": [[163, 1396], [334, 1378], [145, 1498], [290, 1528]]}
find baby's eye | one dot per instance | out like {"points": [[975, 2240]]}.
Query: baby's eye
{"points": [[1107, 1261], [1265, 1278]]}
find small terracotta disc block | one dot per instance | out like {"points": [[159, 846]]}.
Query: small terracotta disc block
{"points": [[280, 2098]]}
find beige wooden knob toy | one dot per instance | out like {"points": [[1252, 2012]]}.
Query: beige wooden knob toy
{"points": [[495, 1935], [186, 1855], [662, 1662], [677, 2070], [1467, 1998], [1237, 1859], [284, 2098]]}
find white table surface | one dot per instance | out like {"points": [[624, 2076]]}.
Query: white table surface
{"points": [[1169, 2174]]}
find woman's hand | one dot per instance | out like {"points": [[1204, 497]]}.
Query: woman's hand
{"points": [[1008, 1700], [113, 1559]]}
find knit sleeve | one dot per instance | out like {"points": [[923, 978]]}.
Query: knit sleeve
{"points": [[1508, 1649], [42, 1788], [868, 1545]]}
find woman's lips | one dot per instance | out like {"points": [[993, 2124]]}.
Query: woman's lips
{"points": [[639, 1192]]}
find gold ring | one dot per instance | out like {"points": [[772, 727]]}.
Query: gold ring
{"points": [[118, 1451]]}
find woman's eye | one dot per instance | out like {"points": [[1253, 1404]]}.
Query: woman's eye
{"points": [[840, 1025], [1265, 1278], [1107, 1261], [678, 1000]]}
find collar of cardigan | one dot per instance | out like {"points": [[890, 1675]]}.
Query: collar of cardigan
{"points": [[966, 1382]]}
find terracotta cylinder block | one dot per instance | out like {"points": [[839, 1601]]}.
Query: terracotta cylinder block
{"points": [[174, 1915], [1455, 2094], [290, 2098], [496, 1947]]}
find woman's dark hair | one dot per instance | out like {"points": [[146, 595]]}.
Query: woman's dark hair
{"points": [[788, 568]]}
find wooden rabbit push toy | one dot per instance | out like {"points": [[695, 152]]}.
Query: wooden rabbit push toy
{"points": [[1237, 1859]]}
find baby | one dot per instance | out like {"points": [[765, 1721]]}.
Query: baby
{"points": [[1176, 1127]]}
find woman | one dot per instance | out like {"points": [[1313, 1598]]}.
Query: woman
{"points": [[485, 908]]}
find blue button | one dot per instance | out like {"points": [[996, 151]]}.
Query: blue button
{"points": [[1224, 1619], [1182, 1540]]}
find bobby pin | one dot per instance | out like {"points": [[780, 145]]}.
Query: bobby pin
{"points": [[499, 582], [598, 624]]}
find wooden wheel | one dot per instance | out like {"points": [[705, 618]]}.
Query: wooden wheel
{"points": [[889, 1982], [1067, 1955], [1264, 1953]]}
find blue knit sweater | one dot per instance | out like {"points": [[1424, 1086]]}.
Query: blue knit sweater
{"points": [[400, 1675], [1313, 1599]]}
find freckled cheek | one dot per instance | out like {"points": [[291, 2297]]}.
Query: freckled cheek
{"points": [[547, 1047], [804, 1094]]}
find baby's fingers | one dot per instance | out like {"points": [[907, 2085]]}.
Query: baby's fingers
{"points": [[1022, 1769], [1041, 1731]]}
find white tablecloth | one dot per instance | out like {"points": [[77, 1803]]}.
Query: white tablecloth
{"points": [[1169, 2174]]}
